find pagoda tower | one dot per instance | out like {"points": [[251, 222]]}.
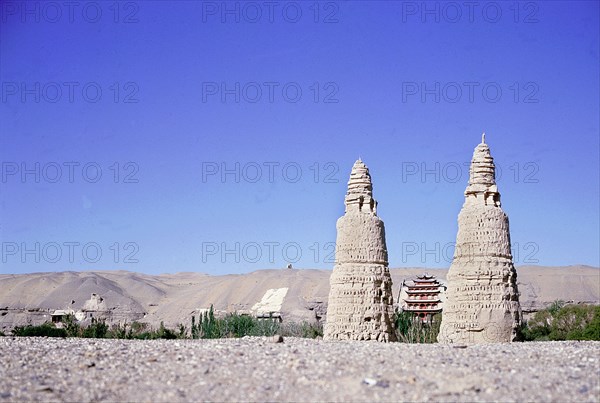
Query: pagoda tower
{"points": [[360, 303], [482, 298], [423, 296]]}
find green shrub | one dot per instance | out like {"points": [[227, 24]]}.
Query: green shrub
{"points": [[142, 331], [165, 333], [564, 322], [182, 332], [556, 306], [592, 329], [96, 330], [71, 326], [45, 330], [571, 321], [209, 326], [304, 329], [237, 325], [120, 331], [403, 321], [411, 329], [265, 327], [231, 325], [538, 327]]}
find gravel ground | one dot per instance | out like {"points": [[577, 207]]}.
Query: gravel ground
{"points": [[257, 369]]}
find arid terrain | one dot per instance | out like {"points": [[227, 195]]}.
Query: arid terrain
{"points": [[259, 369], [256, 369], [173, 298]]}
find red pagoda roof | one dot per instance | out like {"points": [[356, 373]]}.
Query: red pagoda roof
{"points": [[416, 309], [421, 301], [420, 291]]}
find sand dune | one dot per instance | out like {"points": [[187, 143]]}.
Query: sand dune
{"points": [[173, 298]]}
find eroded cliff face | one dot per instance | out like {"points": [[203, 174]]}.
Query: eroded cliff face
{"points": [[360, 303], [482, 297]]}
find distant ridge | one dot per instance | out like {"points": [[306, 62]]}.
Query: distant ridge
{"points": [[173, 298]]}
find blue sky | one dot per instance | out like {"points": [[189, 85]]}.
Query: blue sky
{"points": [[218, 137]]}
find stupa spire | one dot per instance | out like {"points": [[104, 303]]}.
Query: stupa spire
{"points": [[482, 187], [359, 197]]}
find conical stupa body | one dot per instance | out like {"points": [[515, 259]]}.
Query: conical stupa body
{"points": [[360, 303], [482, 298]]}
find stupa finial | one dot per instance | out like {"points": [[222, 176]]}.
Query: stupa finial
{"points": [[360, 189], [482, 177]]}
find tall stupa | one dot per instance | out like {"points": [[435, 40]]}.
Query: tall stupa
{"points": [[482, 296], [360, 298]]}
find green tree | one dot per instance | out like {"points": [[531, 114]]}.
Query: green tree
{"points": [[564, 322], [98, 329]]}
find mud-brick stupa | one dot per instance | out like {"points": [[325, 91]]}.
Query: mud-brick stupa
{"points": [[360, 299], [482, 297]]}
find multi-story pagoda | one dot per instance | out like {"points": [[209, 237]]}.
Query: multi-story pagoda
{"points": [[423, 296]]}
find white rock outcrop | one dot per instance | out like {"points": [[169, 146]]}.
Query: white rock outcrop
{"points": [[271, 301], [482, 297], [360, 303]]}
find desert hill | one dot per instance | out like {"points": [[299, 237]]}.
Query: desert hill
{"points": [[299, 294]]}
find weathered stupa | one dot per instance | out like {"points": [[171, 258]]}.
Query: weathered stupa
{"points": [[360, 298], [482, 297]]}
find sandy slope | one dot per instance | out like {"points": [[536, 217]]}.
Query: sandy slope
{"points": [[172, 298]]}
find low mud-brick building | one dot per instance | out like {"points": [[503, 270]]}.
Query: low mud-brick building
{"points": [[422, 296]]}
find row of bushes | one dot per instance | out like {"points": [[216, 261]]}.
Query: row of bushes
{"points": [[207, 327], [564, 322], [97, 329], [235, 325], [558, 322], [231, 325]]}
